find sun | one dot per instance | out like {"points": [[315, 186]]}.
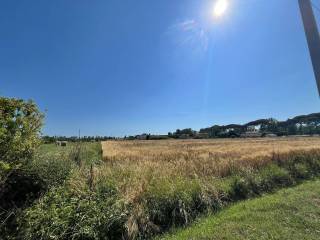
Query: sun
{"points": [[220, 7]]}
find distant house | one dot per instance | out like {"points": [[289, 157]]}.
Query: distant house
{"points": [[229, 130], [253, 128]]}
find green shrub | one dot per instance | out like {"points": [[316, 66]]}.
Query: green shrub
{"points": [[273, 176], [62, 214], [20, 125], [240, 189], [303, 164], [53, 170], [19, 189], [300, 171], [253, 183], [171, 202], [5, 169], [106, 188]]}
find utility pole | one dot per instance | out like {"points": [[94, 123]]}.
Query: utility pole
{"points": [[313, 37]]}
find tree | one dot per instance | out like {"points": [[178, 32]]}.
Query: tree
{"points": [[20, 126], [292, 129]]}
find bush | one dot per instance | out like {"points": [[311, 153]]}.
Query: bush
{"points": [[53, 170], [5, 169], [302, 164], [300, 171], [20, 125], [62, 214], [19, 190], [267, 179], [273, 176], [172, 202], [240, 189]]}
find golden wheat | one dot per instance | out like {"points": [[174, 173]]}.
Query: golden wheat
{"points": [[136, 163], [224, 148]]}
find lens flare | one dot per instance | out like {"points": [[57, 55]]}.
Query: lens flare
{"points": [[220, 7]]}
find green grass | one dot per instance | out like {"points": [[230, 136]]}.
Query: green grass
{"points": [[292, 213], [91, 152], [54, 163], [52, 149]]}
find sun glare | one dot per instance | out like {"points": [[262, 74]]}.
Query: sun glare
{"points": [[220, 7]]}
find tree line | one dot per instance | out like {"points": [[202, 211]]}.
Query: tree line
{"points": [[53, 139], [299, 125]]}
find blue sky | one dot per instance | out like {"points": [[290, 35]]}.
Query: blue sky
{"points": [[126, 67]]}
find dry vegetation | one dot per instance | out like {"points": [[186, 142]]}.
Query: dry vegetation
{"points": [[223, 148], [137, 164], [143, 188], [201, 157]]}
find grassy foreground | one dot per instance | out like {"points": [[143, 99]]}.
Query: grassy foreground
{"points": [[142, 192], [50, 167], [288, 214]]}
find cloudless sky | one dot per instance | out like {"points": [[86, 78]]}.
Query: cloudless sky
{"points": [[111, 67]]}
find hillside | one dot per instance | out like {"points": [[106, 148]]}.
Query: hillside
{"points": [[299, 125]]}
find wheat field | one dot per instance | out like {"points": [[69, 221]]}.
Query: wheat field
{"points": [[201, 158], [173, 150]]}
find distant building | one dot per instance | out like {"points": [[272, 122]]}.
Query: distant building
{"points": [[254, 128], [229, 130]]}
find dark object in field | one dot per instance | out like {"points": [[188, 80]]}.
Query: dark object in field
{"points": [[61, 143]]}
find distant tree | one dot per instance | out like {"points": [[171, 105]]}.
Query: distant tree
{"points": [[48, 139], [292, 129], [188, 131], [148, 137], [272, 125], [213, 131], [20, 126]]}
